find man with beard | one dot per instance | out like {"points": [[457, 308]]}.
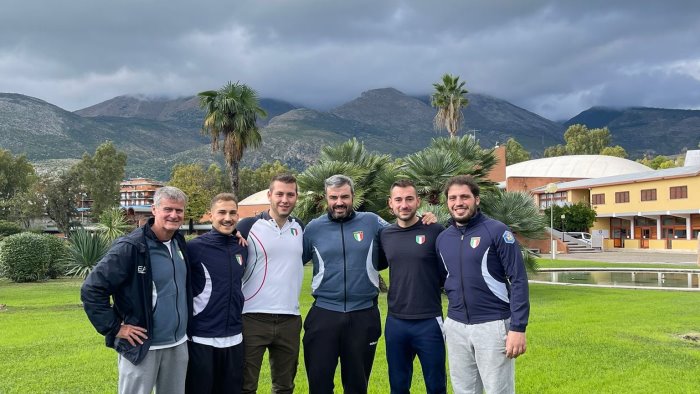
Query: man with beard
{"points": [[218, 261], [271, 287], [414, 323], [146, 275], [344, 319], [343, 322], [487, 292]]}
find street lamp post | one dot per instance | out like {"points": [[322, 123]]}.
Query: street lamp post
{"points": [[551, 189], [563, 225]]}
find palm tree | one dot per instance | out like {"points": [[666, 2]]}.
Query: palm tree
{"points": [[444, 158], [518, 211], [449, 99], [231, 115]]}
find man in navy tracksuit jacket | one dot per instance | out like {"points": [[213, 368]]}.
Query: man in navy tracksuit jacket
{"points": [[218, 263], [344, 320], [487, 292]]}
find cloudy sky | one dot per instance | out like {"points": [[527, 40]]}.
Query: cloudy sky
{"points": [[555, 58]]}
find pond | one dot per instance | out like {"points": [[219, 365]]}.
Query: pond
{"points": [[648, 278]]}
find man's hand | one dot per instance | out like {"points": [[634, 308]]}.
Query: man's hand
{"points": [[428, 218], [241, 241], [515, 344], [132, 334]]}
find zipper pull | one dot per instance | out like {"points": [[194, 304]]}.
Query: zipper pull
{"points": [[462, 238]]}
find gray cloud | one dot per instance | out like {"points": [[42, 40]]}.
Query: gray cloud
{"points": [[553, 58]]}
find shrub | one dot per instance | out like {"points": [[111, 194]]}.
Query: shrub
{"points": [[85, 250], [25, 257], [9, 228], [58, 252]]}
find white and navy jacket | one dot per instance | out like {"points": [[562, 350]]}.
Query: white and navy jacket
{"points": [[273, 276], [486, 278], [217, 262]]}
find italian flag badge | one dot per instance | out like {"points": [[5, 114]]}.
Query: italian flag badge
{"points": [[358, 235], [420, 239], [474, 242], [239, 258]]}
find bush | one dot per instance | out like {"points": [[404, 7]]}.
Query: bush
{"points": [[9, 228], [85, 250], [58, 252], [25, 257]]}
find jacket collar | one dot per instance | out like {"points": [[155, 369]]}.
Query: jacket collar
{"points": [[475, 220]]}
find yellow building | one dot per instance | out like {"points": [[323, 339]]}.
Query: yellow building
{"points": [[647, 210]]}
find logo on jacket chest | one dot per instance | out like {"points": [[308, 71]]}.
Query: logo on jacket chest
{"points": [[294, 231], [474, 242], [141, 269], [420, 239], [239, 259], [358, 235]]}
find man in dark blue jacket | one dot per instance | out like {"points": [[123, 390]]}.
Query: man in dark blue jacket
{"points": [[487, 291], [218, 263], [146, 273]]}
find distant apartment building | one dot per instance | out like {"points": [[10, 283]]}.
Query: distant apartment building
{"points": [[137, 192], [136, 197]]}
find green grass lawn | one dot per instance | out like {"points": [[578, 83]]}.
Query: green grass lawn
{"points": [[579, 340]]}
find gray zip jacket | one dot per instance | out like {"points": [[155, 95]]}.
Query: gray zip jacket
{"points": [[345, 254]]}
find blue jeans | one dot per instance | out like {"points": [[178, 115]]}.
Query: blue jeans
{"points": [[408, 338]]}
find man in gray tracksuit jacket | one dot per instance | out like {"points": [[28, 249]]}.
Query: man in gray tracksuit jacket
{"points": [[344, 320]]}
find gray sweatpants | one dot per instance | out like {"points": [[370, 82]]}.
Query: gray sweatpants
{"points": [[162, 369], [477, 357]]}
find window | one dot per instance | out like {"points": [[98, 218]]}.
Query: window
{"points": [[649, 195], [622, 197], [598, 199], [677, 192]]}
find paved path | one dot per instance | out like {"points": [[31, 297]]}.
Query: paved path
{"points": [[633, 257]]}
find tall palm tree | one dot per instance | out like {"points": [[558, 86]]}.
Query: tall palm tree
{"points": [[449, 99], [231, 116]]}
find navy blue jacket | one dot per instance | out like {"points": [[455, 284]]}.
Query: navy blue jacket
{"points": [[218, 262], [486, 278]]}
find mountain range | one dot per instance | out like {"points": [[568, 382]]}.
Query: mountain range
{"points": [[158, 133]]}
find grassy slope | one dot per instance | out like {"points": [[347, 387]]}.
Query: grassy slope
{"points": [[579, 340]]}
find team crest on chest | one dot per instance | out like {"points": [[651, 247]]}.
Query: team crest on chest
{"points": [[358, 235], [474, 242], [239, 258], [420, 239], [294, 231]]}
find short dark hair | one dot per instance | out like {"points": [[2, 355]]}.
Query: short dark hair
{"points": [[403, 183], [463, 180], [223, 197], [285, 178]]}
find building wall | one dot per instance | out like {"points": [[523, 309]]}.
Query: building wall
{"points": [[246, 211], [529, 183], [663, 200], [498, 172]]}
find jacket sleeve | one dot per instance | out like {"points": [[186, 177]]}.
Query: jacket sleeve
{"points": [[512, 260], [308, 249], [382, 262], [105, 279]]}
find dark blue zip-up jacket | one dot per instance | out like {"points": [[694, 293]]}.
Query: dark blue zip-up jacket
{"points": [[345, 254], [217, 262], [486, 278]]}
